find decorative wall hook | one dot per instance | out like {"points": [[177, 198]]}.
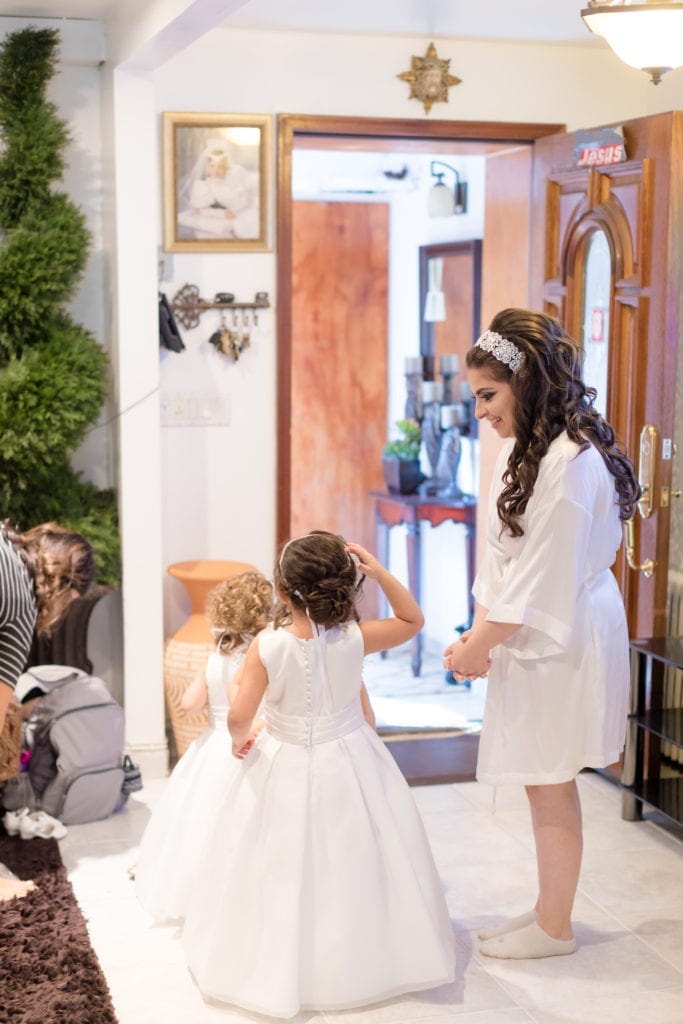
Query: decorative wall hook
{"points": [[188, 306]]}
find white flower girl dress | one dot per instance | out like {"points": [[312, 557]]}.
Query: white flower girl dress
{"points": [[318, 889]]}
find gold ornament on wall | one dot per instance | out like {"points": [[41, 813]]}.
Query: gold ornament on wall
{"points": [[429, 79]]}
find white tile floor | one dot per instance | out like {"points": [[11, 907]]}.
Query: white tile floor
{"points": [[629, 919]]}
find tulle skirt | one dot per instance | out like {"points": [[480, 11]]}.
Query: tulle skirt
{"points": [[317, 889], [181, 824]]}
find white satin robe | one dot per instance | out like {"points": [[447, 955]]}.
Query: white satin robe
{"points": [[557, 694]]}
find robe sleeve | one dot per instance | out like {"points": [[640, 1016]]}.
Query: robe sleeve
{"points": [[540, 587], [489, 576], [488, 580]]}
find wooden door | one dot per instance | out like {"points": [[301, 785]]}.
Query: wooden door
{"points": [[636, 204], [505, 279], [338, 365]]}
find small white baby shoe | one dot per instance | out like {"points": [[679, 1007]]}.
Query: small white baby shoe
{"points": [[40, 825], [11, 820]]}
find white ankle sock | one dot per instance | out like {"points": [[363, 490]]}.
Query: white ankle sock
{"points": [[527, 943], [508, 926]]}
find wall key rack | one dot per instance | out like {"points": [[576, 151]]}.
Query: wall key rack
{"points": [[188, 306]]}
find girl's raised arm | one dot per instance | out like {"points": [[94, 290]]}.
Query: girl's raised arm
{"points": [[407, 620]]}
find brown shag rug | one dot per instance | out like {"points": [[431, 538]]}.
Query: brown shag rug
{"points": [[49, 973]]}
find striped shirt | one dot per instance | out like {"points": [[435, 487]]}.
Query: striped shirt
{"points": [[17, 613]]}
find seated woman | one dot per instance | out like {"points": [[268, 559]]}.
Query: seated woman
{"points": [[41, 572]]}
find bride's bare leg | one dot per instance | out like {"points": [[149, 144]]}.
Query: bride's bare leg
{"points": [[558, 833]]}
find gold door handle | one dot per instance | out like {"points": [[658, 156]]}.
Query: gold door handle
{"points": [[646, 470], [648, 566]]}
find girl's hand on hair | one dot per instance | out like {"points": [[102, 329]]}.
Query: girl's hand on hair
{"points": [[367, 563]]}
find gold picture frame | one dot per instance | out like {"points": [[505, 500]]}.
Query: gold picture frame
{"points": [[216, 182]]}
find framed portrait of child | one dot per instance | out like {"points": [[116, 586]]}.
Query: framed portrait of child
{"points": [[216, 172]]}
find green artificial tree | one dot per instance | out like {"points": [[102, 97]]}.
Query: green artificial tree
{"points": [[53, 372]]}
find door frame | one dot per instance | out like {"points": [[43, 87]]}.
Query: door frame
{"points": [[397, 133]]}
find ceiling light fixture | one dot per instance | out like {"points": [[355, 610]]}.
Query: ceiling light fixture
{"points": [[646, 35], [443, 201]]}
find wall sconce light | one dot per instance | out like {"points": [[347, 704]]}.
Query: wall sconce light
{"points": [[443, 201], [646, 35]]}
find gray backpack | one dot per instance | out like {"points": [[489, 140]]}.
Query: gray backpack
{"points": [[76, 736]]}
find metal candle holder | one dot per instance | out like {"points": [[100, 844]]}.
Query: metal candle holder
{"points": [[431, 435], [443, 420], [413, 406], [453, 418]]}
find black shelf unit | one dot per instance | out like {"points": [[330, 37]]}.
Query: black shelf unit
{"points": [[650, 776]]}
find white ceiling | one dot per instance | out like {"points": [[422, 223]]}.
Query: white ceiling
{"points": [[94, 10], [542, 20], [539, 20]]}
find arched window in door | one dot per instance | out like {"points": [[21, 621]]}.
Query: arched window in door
{"points": [[597, 264], [596, 287]]}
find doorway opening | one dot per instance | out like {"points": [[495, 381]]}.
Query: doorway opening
{"points": [[343, 417]]}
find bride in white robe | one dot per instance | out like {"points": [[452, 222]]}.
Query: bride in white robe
{"points": [[549, 622]]}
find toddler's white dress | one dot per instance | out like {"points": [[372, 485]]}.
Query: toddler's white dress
{"points": [[172, 841], [318, 889]]}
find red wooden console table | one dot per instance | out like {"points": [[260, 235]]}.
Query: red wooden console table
{"points": [[411, 510]]}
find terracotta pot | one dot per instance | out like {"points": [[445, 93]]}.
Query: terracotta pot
{"points": [[186, 652]]}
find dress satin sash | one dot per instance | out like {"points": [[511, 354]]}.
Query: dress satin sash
{"points": [[308, 731]]}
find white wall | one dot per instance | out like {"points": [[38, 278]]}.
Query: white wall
{"points": [[249, 71], [76, 92], [218, 482]]}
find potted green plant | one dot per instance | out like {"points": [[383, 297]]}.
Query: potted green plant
{"points": [[401, 459]]}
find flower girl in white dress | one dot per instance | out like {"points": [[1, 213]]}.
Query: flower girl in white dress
{"points": [[318, 889], [237, 610]]}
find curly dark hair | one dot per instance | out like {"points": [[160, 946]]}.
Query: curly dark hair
{"points": [[549, 397], [241, 607], [61, 565], [316, 574]]}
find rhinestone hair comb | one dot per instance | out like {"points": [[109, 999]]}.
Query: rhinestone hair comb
{"points": [[501, 348]]}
